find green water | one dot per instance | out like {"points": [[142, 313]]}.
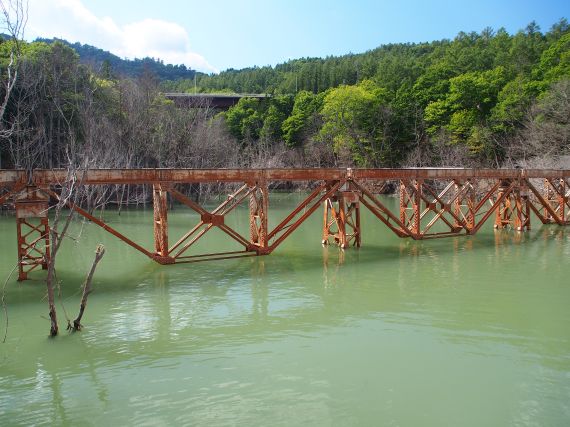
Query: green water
{"points": [[468, 331]]}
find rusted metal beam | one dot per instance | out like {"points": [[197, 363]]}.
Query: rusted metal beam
{"points": [[9, 177], [445, 207], [258, 216], [32, 228], [301, 206], [210, 220], [102, 224], [160, 222], [149, 176], [379, 210], [17, 187], [287, 227], [341, 212], [492, 209], [551, 215], [559, 199], [514, 210], [456, 173]]}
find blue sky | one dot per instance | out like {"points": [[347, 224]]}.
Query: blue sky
{"points": [[219, 34]]}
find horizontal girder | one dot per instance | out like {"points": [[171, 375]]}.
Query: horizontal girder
{"points": [[148, 176]]}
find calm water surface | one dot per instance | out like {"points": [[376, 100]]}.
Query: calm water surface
{"points": [[469, 331]]}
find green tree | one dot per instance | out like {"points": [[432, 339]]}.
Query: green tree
{"points": [[469, 101], [279, 109], [352, 121], [245, 119], [305, 107]]}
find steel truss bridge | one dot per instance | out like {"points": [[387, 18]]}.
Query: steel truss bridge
{"points": [[433, 203]]}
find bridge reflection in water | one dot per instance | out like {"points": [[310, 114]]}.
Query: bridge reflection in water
{"points": [[433, 203]]}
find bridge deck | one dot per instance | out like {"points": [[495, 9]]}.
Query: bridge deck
{"points": [[209, 100], [148, 176]]}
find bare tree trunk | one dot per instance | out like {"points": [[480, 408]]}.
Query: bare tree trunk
{"points": [[54, 329], [99, 252], [68, 192]]}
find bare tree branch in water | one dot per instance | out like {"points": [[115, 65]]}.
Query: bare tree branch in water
{"points": [[56, 238], [99, 252]]}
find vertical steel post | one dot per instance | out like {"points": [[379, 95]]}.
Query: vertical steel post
{"points": [[326, 210], [341, 212], [548, 197], [562, 199], [522, 220], [504, 210], [342, 222], [456, 205], [159, 198], [470, 217], [258, 207], [358, 230], [32, 225], [403, 204], [416, 224]]}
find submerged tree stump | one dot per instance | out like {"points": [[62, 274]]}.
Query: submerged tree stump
{"points": [[99, 252]]}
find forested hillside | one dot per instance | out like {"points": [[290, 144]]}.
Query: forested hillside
{"points": [[106, 63], [482, 99], [466, 98]]}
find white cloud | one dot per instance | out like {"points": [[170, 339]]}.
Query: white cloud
{"points": [[72, 21]]}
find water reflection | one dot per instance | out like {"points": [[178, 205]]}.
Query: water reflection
{"points": [[308, 334], [259, 291]]}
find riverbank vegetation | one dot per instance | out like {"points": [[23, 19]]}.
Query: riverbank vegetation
{"points": [[482, 99]]}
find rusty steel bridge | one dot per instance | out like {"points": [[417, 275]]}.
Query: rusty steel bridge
{"points": [[433, 203]]}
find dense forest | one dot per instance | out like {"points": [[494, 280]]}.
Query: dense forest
{"points": [[482, 99], [106, 63]]}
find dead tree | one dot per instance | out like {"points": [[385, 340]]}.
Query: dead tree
{"points": [[14, 18], [67, 195], [99, 252]]}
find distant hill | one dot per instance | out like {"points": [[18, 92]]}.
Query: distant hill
{"points": [[99, 58]]}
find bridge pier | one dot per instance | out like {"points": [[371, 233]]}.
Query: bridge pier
{"points": [[514, 210], [557, 195], [258, 207], [160, 208], [32, 226], [464, 205], [341, 221]]}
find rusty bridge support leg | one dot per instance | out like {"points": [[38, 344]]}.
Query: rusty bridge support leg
{"points": [[470, 215], [505, 210], [463, 205], [410, 206], [33, 231], [514, 210], [456, 205], [404, 198], [562, 200], [554, 196], [258, 208], [341, 221], [417, 225], [522, 220], [159, 199]]}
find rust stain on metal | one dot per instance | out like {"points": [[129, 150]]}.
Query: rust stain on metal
{"points": [[433, 203]]}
